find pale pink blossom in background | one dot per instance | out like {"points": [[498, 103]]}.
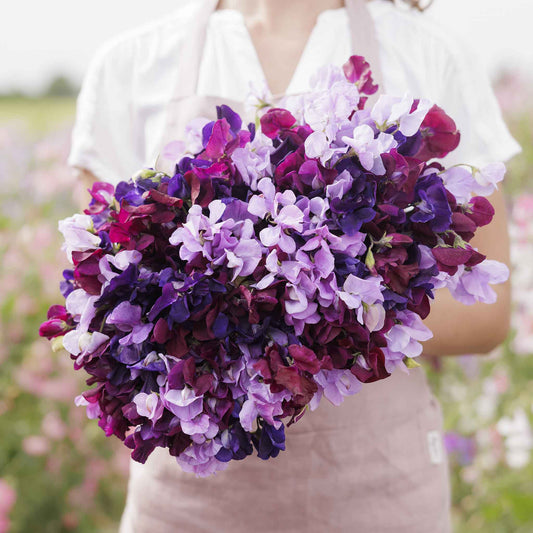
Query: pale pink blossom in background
{"points": [[8, 497], [36, 445], [53, 427]]}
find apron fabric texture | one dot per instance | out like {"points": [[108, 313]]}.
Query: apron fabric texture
{"points": [[375, 464]]}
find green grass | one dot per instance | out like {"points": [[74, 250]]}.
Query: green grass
{"points": [[39, 114]]}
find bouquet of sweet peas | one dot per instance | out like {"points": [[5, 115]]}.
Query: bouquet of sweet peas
{"points": [[270, 265]]}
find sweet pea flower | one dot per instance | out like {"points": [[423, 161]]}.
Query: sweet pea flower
{"points": [[464, 181], [289, 270], [396, 110], [121, 261], [169, 157], [472, 285], [194, 136], [288, 216], [335, 385], [364, 296], [460, 182], [200, 428], [369, 148], [127, 317], [245, 256], [197, 234], [326, 77], [92, 408], [403, 339], [183, 403], [488, 177], [317, 146], [253, 160], [328, 107], [299, 306], [200, 458], [323, 261], [342, 184], [258, 97], [78, 235], [82, 343], [262, 402], [149, 405], [80, 305]]}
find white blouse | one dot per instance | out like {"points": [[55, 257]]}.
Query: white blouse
{"points": [[120, 109]]}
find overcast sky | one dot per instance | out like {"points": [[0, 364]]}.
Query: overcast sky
{"points": [[40, 39]]}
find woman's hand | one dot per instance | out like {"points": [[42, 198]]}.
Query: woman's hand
{"points": [[475, 329]]}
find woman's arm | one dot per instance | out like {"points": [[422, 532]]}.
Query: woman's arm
{"points": [[475, 329]]}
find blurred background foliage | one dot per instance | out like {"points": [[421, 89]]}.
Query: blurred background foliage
{"points": [[59, 473]]}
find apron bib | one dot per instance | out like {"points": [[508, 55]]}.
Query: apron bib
{"points": [[375, 464]]}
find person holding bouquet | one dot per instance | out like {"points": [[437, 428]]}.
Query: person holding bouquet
{"points": [[376, 462]]}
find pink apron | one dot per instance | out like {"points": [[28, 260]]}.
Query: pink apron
{"points": [[375, 464]]}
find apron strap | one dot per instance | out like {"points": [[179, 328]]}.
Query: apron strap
{"points": [[364, 37], [191, 54]]}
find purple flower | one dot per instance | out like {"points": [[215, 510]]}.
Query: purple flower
{"points": [[403, 339], [197, 235], [270, 441], [460, 182], [285, 218], [299, 305], [488, 177], [432, 206], [127, 317], [335, 385], [261, 402], [200, 428], [394, 110], [201, 459], [471, 285], [149, 405], [245, 256], [369, 148], [184, 403], [365, 296]]}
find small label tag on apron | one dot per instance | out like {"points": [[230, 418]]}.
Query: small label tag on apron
{"points": [[436, 452]]}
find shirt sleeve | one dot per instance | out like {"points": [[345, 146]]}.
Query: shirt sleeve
{"points": [[101, 137], [468, 97]]}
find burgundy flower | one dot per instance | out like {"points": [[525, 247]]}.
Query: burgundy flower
{"points": [[439, 135]]}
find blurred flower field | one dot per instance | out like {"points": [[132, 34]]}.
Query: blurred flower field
{"points": [[59, 473]]}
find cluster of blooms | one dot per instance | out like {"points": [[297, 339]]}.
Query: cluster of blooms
{"points": [[270, 266]]}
